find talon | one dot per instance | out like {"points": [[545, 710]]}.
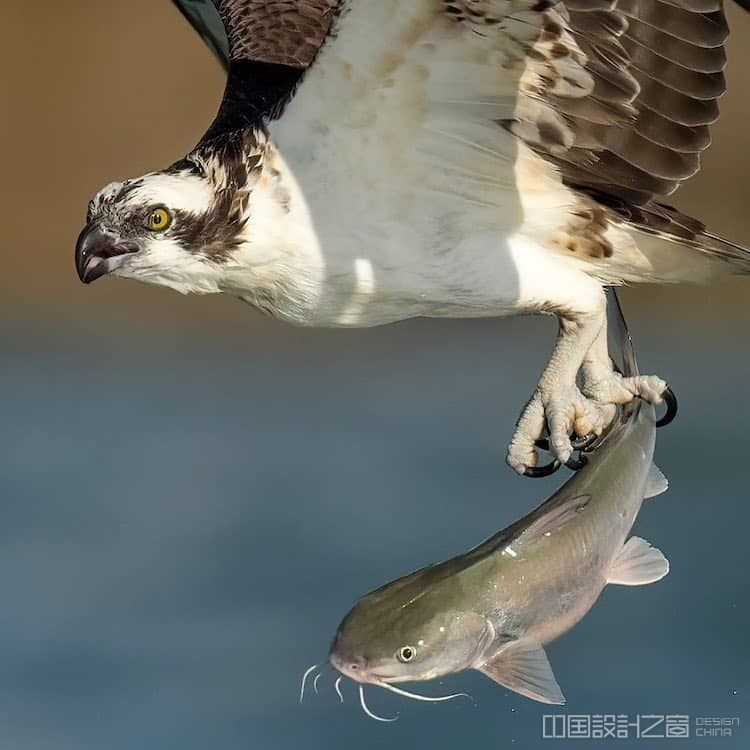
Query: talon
{"points": [[581, 443], [565, 406], [537, 472], [576, 464], [671, 401], [578, 443]]}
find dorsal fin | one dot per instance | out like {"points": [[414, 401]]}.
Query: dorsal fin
{"points": [[656, 483]]}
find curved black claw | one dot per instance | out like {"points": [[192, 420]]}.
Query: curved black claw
{"points": [[671, 401], [574, 464], [582, 444], [585, 442], [578, 443], [537, 472]]}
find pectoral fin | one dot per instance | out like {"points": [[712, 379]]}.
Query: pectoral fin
{"points": [[656, 482], [523, 667], [637, 564]]}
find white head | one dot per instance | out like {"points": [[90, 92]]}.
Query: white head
{"points": [[177, 227]]}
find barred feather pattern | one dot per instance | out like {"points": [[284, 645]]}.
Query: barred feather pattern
{"points": [[619, 95], [281, 32]]}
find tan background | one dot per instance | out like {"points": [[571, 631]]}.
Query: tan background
{"points": [[96, 91]]}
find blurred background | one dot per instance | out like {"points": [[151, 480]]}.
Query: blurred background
{"points": [[192, 496]]}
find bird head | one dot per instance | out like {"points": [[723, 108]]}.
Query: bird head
{"points": [[176, 227]]}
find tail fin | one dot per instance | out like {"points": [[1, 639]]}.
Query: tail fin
{"points": [[620, 343]]}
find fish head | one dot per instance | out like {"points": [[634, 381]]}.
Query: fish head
{"points": [[446, 643], [397, 635]]}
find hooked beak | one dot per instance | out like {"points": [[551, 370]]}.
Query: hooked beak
{"points": [[99, 251]]}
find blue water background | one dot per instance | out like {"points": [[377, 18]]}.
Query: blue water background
{"points": [[186, 518]]}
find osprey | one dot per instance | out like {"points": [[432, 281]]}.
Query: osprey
{"points": [[379, 160]]}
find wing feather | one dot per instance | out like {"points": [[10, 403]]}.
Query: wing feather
{"points": [[280, 32], [622, 91], [616, 95], [203, 17], [669, 82], [265, 45]]}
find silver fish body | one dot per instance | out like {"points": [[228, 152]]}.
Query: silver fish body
{"points": [[550, 573], [494, 607]]}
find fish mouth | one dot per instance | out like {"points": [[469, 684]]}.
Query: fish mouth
{"points": [[355, 668], [389, 679], [360, 670], [359, 674]]}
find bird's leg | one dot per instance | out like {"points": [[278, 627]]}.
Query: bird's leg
{"points": [[603, 384], [561, 407], [557, 403]]}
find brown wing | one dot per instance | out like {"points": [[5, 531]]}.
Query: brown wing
{"points": [[270, 45], [621, 99], [280, 32], [638, 132], [630, 125], [619, 95], [204, 18], [657, 71]]}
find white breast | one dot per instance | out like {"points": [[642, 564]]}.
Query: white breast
{"points": [[406, 190]]}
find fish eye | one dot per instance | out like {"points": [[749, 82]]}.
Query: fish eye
{"points": [[406, 653], [159, 219]]}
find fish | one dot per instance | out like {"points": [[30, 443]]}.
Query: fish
{"points": [[494, 608]]}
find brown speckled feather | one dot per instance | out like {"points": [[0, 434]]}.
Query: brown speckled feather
{"points": [[266, 46], [617, 94], [282, 32], [657, 74], [620, 96]]}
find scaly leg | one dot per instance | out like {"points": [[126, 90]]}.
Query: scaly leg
{"points": [[557, 402], [602, 383], [561, 407]]}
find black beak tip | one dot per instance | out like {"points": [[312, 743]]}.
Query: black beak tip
{"points": [[83, 254], [97, 251], [90, 274], [83, 272]]}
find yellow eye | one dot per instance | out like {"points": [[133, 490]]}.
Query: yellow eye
{"points": [[159, 219], [406, 653]]}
